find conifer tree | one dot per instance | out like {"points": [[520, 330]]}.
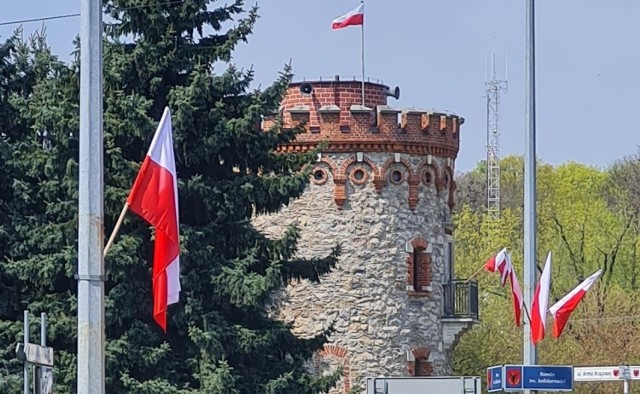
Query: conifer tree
{"points": [[39, 202], [219, 338]]}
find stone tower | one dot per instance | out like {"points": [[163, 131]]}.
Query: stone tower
{"points": [[383, 188]]}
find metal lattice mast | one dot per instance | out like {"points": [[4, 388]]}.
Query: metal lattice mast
{"points": [[494, 89]]}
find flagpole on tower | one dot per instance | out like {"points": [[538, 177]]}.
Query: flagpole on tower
{"points": [[362, 49], [353, 18]]}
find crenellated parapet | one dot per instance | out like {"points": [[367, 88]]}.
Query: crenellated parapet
{"points": [[332, 111]]}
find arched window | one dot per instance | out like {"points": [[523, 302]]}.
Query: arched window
{"points": [[328, 360], [418, 362], [419, 267]]}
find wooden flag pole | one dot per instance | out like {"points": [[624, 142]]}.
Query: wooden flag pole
{"points": [[116, 229], [475, 273]]}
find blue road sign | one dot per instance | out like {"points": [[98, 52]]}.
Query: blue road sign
{"points": [[494, 379], [537, 377], [547, 377]]}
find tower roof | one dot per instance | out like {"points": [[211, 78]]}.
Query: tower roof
{"points": [[332, 110]]}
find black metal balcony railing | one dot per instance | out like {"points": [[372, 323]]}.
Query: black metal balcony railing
{"points": [[461, 299]]}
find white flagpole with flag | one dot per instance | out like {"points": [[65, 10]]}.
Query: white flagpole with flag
{"points": [[501, 263], [355, 17]]}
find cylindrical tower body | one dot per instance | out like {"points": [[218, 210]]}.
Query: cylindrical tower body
{"points": [[383, 188]]}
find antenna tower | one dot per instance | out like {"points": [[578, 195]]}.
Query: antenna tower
{"points": [[494, 89]]}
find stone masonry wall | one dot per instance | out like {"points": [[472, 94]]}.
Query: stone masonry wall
{"points": [[383, 325]]}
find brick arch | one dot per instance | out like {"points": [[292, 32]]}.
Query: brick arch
{"points": [[413, 181], [329, 162], [345, 164], [385, 166], [452, 192], [421, 353], [419, 365], [446, 171], [352, 159], [424, 164], [375, 171], [419, 268], [419, 243], [339, 193], [340, 353], [333, 350]]}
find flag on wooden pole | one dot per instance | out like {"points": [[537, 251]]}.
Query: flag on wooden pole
{"points": [[154, 196], [501, 263]]}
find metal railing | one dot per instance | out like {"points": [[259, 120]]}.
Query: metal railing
{"points": [[461, 299], [344, 78]]}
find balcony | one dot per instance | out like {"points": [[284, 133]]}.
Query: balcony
{"points": [[460, 310], [461, 299]]}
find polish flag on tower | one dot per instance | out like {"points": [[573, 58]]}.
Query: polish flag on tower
{"points": [[561, 310], [540, 305], [154, 196], [355, 17]]}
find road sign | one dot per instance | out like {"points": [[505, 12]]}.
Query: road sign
{"points": [[494, 379], [606, 373], [547, 377], [537, 377], [596, 374], [35, 354]]}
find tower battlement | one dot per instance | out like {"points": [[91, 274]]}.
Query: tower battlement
{"points": [[333, 111]]}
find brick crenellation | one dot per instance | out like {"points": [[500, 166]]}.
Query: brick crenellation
{"points": [[333, 112]]}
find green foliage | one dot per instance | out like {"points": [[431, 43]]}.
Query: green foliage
{"points": [[588, 218], [219, 339]]}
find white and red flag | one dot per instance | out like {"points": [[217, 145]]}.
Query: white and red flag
{"points": [[154, 196], [561, 310], [539, 307], [355, 17], [516, 292], [501, 263]]}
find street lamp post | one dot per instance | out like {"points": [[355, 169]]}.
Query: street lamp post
{"points": [[91, 331], [529, 350]]}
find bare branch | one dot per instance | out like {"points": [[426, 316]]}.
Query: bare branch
{"points": [[563, 236]]}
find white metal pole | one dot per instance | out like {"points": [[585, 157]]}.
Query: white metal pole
{"points": [[529, 349], [43, 329], [43, 342], [362, 50], [626, 386], [91, 332], [26, 341]]}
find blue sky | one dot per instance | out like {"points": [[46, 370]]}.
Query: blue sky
{"points": [[587, 62]]}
